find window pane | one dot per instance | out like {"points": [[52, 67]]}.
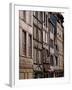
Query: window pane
{"points": [[37, 34], [44, 17], [34, 32], [51, 60], [36, 13], [24, 42], [51, 42], [34, 55], [52, 28], [39, 57], [40, 16], [46, 20], [44, 36], [30, 17], [24, 15], [56, 61], [40, 35], [30, 46]]}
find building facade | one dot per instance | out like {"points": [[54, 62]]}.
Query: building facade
{"points": [[41, 44], [60, 45], [25, 44], [37, 44]]}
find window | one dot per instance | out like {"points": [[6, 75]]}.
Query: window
{"points": [[40, 35], [37, 34], [51, 28], [56, 60], [45, 35], [34, 32], [24, 15], [34, 55], [30, 46], [36, 13], [37, 56], [40, 16], [60, 45], [51, 60], [46, 20], [39, 52], [30, 17], [24, 42], [56, 46], [61, 34], [51, 43], [39, 25]]}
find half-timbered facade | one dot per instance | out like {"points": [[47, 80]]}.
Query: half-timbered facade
{"points": [[37, 44]]}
